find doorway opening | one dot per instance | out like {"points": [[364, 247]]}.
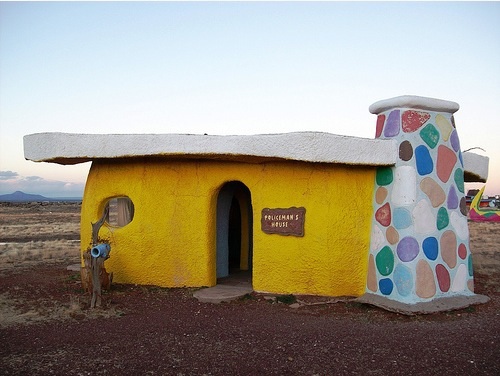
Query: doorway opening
{"points": [[234, 231]]}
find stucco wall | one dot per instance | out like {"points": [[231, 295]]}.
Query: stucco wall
{"points": [[171, 240]]}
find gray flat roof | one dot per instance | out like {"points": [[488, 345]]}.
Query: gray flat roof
{"points": [[319, 147]]}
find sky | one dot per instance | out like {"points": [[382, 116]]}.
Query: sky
{"points": [[236, 68]]}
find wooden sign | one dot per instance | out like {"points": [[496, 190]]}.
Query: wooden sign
{"points": [[283, 221]]}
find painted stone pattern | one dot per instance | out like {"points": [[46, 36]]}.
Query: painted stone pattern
{"points": [[420, 240]]}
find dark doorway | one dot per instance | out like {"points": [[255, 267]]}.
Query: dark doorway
{"points": [[234, 236], [234, 229]]}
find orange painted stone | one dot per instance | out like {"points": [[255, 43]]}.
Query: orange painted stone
{"points": [[446, 160], [425, 285], [383, 215], [448, 245], [392, 235], [381, 195], [413, 120], [433, 190], [371, 281]]}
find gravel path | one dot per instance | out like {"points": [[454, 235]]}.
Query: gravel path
{"points": [[154, 331]]}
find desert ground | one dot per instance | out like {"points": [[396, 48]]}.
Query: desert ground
{"points": [[46, 326]]}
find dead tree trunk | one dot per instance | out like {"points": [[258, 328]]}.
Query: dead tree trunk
{"points": [[94, 275]]}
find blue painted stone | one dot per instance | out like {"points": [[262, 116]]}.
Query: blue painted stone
{"points": [[461, 159], [431, 248], [401, 218], [455, 142], [443, 219], [385, 285], [424, 160], [430, 135], [452, 200], [392, 125], [407, 249], [403, 280], [459, 179]]}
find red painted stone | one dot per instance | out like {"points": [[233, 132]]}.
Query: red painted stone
{"points": [[380, 125], [443, 277], [413, 120], [446, 160], [462, 251], [383, 215]]}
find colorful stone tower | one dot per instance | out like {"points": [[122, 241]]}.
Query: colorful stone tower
{"points": [[420, 238]]}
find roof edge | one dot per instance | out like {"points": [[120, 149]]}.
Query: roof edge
{"points": [[319, 147], [416, 102]]}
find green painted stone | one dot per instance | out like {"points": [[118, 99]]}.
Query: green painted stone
{"points": [[430, 135], [384, 176], [470, 267], [459, 179], [385, 261], [442, 218]]}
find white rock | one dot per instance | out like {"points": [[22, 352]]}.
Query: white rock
{"points": [[404, 191], [423, 218], [460, 280]]}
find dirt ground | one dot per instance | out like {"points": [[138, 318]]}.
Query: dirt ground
{"points": [[47, 328]]}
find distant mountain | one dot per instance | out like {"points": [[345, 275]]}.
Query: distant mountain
{"points": [[19, 196]]}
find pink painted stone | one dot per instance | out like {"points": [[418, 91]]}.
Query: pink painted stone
{"points": [[425, 285], [383, 215], [380, 125], [448, 245], [446, 160], [371, 281], [462, 251], [413, 120], [381, 195], [433, 190], [443, 277], [392, 235]]}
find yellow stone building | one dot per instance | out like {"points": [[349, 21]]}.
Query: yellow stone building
{"points": [[304, 213]]}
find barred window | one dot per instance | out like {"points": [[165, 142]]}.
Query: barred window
{"points": [[120, 211]]}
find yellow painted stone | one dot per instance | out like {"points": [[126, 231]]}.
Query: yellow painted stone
{"points": [[444, 126], [171, 240], [425, 285], [434, 191]]}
